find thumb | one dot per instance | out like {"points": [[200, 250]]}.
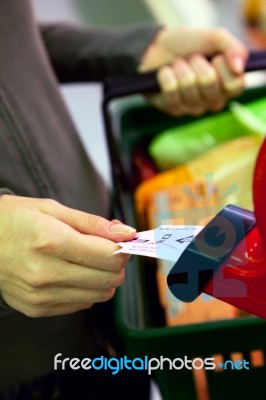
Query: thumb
{"points": [[88, 224]]}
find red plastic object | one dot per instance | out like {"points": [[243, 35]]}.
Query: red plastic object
{"points": [[246, 264]]}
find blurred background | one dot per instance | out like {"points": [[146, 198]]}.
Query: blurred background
{"points": [[84, 100], [244, 18]]}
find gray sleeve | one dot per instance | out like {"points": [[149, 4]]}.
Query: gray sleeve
{"points": [[80, 54]]}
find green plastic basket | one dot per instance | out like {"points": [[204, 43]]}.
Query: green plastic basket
{"points": [[138, 314]]}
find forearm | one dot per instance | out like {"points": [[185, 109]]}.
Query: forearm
{"points": [[81, 54]]}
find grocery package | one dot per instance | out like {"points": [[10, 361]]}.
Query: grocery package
{"points": [[181, 144]]}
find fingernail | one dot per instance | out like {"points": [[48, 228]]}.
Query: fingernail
{"points": [[121, 228], [239, 65]]}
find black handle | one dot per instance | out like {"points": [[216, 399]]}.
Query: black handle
{"points": [[116, 87], [133, 84], [147, 83], [256, 61]]}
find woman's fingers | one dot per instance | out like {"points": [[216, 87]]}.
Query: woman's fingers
{"points": [[196, 85], [232, 84], [208, 82], [48, 266]]}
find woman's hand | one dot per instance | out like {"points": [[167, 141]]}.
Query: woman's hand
{"points": [[56, 260], [198, 70]]}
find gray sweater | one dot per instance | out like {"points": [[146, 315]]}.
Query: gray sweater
{"points": [[42, 156]]}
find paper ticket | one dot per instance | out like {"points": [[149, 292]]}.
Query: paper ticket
{"points": [[166, 242]]}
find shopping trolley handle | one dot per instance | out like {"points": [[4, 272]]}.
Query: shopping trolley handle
{"points": [[119, 86]]}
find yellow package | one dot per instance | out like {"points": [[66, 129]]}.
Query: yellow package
{"points": [[229, 166]]}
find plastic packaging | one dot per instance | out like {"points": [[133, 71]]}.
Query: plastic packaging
{"points": [[179, 145], [229, 166]]}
